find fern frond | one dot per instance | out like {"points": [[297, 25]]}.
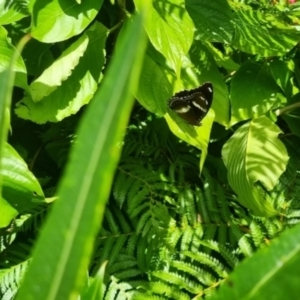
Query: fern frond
{"points": [[175, 279], [208, 261], [157, 288], [245, 246], [10, 279], [257, 234], [204, 278]]}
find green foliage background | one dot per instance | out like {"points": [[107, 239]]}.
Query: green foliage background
{"points": [[187, 204]]}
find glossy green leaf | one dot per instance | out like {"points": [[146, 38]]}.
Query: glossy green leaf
{"points": [[254, 156], [7, 50], [271, 273], [170, 29], [66, 242], [212, 19], [54, 21], [8, 213], [282, 74], [12, 63], [253, 92], [21, 190], [70, 82]]}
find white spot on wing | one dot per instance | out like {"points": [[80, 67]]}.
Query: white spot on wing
{"points": [[199, 106], [183, 109]]}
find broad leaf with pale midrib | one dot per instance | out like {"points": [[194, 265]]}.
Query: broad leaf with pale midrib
{"points": [[255, 157]]}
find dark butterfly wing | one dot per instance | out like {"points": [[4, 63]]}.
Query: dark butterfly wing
{"points": [[193, 105]]}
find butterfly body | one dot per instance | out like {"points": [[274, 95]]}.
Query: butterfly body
{"points": [[193, 105]]}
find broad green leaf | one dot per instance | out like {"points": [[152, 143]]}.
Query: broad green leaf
{"points": [[197, 136], [255, 158], [7, 50], [10, 12], [20, 189], [282, 75], [253, 92], [66, 243], [207, 70], [59, 71], [54, 20], [271, 273], [18, 183], [222, 59], [262, 34], [79, 86], [212, 19], [8, 213], [170, 30], [154, 89], [38, 57]]}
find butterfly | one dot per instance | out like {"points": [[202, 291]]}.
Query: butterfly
{"points": [[193, 105]]}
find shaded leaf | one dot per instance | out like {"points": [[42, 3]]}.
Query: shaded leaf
{"points": [[253, 92]]}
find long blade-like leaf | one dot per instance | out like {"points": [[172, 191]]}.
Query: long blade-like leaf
{"points": [[63, 251]]}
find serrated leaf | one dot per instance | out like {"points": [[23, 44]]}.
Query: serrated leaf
{"points": [[212, 19], [253, 92], [170, 30], [77, 90], [253, 156], [54, 21], [59, 71]]}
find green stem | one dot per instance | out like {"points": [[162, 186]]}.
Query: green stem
{"points": [[287, 109]]}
